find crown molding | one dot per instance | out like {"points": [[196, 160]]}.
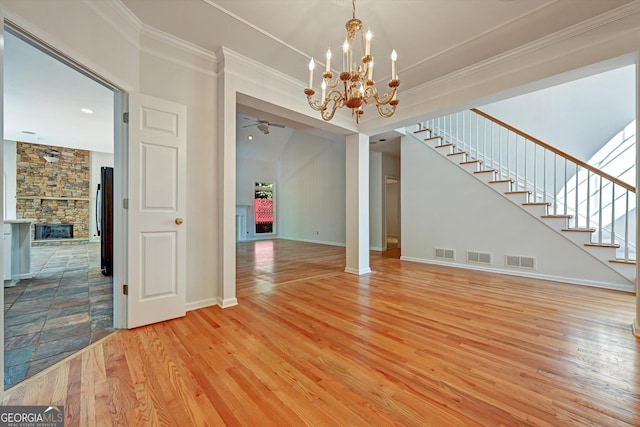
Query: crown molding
{"points": [[537, 45], [119, 17], [132, 28], [238, 61]]}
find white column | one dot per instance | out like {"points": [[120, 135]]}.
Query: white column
{"points": [[227, 182], [357, 204], [636, 327]]}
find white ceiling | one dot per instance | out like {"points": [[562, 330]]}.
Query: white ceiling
{"points": [[432, 38], [44, 96]]}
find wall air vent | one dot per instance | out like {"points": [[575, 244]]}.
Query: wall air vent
{"points": [[520, 262], [479, 257], [444, 253]]}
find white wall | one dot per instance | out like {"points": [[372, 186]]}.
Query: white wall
{"points": [[9, 160], [376, 208], [446, 207], [97, 160], [311, 190]]}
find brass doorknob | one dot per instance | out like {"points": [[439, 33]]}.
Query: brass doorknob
{"points": [[179, 220]]}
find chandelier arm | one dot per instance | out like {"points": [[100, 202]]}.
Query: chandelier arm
{"points": [[332, 84], [371, 92], [336, 100], [386, 111]]}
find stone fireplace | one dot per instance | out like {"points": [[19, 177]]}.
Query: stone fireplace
{"points": [[52, 187]]}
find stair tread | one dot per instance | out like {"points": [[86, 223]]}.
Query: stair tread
{"points": [[623, 261], [431, 138], [468, 162], [580, 230], [441, 145], [557, 216], [501, 181], [457, 153], [603, 245], [485, 171], [518, 192], [422, 130], [537, 204]]}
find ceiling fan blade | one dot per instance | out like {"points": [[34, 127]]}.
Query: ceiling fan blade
{"points": [[277, 125], [253, 124]]}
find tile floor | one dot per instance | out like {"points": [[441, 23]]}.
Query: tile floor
{"points": [[66, 306]]}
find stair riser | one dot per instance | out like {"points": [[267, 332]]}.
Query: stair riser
{"points": [[603, 254], [443, 150], [579, 237], [433, 142], [485, 177], [518, 198], [470, 167], [536, 210], [556, 223], [457, 158], [501, 187]]}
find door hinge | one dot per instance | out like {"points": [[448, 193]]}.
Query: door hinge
{"points": [[125, 203], [125, 289], [125, 117]]}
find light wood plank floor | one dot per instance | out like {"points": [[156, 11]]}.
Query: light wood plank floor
{"points": [[410, 344]]}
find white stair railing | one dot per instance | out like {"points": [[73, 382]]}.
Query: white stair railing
{"points": [[590, 198]]}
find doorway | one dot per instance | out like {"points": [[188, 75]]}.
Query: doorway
{"points": [[62, 302], [392, 213]]}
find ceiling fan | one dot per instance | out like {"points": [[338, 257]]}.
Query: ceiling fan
{"points": [[263, 125]]}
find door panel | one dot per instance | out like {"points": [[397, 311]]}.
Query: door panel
{"points": [[157, 196], [159, 275]]}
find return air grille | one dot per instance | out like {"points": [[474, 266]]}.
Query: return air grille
{"points": [[444, 253], [479, 257], [520, 262]]}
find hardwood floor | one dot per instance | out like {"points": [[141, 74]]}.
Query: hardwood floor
{"points": [[410, 344]]}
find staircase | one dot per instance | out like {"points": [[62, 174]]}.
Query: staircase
{"points": [[585, 205]]}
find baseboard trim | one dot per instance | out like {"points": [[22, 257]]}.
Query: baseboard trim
{"points": [[319, 242], [358, 271], [226, 303], [196, 305], [569, 280]]}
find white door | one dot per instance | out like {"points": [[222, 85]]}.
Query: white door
{"points": [[157, 212]]}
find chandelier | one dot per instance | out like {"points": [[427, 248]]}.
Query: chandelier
{"points": [[354, 86]]}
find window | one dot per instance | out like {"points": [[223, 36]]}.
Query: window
{"points": [[263, 206]]}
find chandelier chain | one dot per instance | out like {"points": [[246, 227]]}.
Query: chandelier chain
{"points": [[353, 3]]}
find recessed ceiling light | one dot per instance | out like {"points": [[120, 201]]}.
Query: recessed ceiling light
{"points": [[28, 132], [87, 110], [383, 139], [250, 137]]}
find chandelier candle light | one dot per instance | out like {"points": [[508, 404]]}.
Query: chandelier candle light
{"points": [[357, 79]]}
